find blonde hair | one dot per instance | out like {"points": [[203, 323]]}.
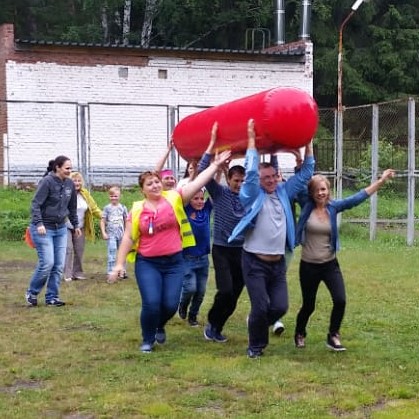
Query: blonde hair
{"points": [[314, 182], [77, 174]]}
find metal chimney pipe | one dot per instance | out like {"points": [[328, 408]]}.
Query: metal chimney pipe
{"points": [[305, 19], [279, 22]]}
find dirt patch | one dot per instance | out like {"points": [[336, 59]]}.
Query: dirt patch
{"points": [[20, 385]]}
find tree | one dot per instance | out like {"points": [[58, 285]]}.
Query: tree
{"points": [[151, 8]]}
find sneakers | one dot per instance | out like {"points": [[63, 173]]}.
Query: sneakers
{"points": [[55, 302], [160, 336], [253, 354], [278, 328], [211, 334], [31, 299], [68, 279], [192, 321], [182, 311], [299, 341], [333, 343], [146, 348], [79, 277], [123, 275]]}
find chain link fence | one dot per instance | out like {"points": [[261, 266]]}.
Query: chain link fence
{"points": [[110, 143]]}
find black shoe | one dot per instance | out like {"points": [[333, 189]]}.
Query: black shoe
{"points": [[299, 341], [333, 343], [211, 334], [55, 302], [182, 311], [192, 321], [254, 354]]}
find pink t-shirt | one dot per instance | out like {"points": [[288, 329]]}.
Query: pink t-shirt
{"points": [[159, 231]]}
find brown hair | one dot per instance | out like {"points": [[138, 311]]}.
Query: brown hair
{"points": [[114, 189], [57, 162], [143, 176]]}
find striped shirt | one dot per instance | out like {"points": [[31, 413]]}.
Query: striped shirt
{"points": [[228, 210]]}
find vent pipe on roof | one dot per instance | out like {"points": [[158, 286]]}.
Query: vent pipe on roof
{"points": [[305, 19], [279, 21]]}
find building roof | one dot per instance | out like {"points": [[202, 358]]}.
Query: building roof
{"points": [[291, 49]]}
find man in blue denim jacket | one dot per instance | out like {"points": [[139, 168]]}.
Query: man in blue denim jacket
{"points": [[269, 231]]}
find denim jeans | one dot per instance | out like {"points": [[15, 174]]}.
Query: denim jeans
{"points": [[268, 292], [51, 249], [113, 244], [194, 282], [159, 281]]}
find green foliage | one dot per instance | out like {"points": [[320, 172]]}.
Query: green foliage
{"points": [[390, 156], [380, 41], [15, 209]]}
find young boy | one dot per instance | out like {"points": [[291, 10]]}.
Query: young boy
{"points": [[112, 226], [196, 258]]}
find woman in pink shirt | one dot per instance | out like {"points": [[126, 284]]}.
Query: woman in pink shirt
{"points": [[158, 229]]}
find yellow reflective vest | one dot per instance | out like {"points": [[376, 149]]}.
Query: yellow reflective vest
{"points": [[175, 201]]}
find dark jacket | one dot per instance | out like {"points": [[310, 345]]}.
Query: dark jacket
{"points": [[53, 202]]}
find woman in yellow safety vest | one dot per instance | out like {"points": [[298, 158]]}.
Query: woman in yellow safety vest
{"points": [[157, 230]]}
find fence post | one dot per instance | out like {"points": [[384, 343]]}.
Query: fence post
{"points": [[83, 150], [374, 169], [172, 124], [411, 172], [339, 158]]}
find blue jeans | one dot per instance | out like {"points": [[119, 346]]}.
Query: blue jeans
{"points": [[51, 249], [194, 282], [159, 281], [113, 246], [266, 285]]}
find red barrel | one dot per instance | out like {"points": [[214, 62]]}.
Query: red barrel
{"points": [[284, 118]]}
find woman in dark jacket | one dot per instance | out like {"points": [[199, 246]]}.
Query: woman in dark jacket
{"points": [[55, 199]]}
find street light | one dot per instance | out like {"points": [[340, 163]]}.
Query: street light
{"points": [[354, 8], [339, 139]]}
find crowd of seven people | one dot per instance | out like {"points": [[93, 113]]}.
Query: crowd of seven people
{"points": [[167, 237]]}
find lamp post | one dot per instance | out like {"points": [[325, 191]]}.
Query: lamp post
{"points": [[339, 139]]}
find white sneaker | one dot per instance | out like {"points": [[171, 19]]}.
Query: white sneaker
{"points": [[278, 328], [68, 279]]}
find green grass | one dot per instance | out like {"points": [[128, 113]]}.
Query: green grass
{"points": [[15, 208], [82, 360]]}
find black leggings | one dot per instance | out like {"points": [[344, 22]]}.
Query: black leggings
{"points": [[311, 274]]}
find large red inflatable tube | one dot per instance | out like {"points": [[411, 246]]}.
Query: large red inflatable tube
{"points": [[284, 118]]}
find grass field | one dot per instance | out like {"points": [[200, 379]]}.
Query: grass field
{"points": [[82, 360]]}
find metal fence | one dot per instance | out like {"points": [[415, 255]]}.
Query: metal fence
{"points": [[110, 143], [373, 138]]}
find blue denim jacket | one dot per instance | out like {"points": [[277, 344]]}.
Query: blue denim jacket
{"points": [[333, 208], [252, 196]]}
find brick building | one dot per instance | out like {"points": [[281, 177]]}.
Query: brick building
{"points": [[111, 108]]}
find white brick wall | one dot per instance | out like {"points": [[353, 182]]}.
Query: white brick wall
{"points": [[123, 136]]}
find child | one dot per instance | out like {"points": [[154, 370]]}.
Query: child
{"points": [[196, 258], [112, 226]]}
